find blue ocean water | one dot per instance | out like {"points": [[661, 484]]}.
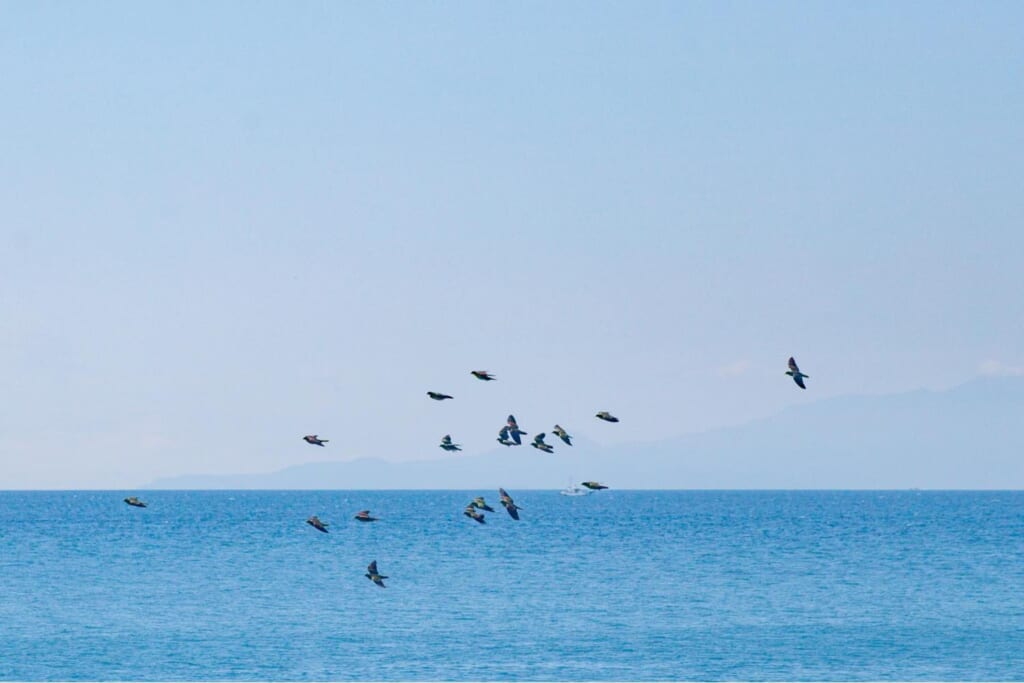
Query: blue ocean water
{"points": [[617, 585]]}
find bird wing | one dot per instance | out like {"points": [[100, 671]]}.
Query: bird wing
{"points": [[446, 440], [512, 421], [372, 569], [515, 437], [792, 365], [503, 434], [539, 439], [799, 381]]}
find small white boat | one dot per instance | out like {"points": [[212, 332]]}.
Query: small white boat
{"points": [[575, 490]]}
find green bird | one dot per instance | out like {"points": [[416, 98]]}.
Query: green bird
{"points": [[563, 435], [479, 504], [510, 506], [471, 512], [538, 443]]}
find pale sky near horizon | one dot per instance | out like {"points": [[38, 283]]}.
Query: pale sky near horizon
{"points": [[227, 225]]}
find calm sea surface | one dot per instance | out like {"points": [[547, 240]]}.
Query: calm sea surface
{"points": [[617, 585]]}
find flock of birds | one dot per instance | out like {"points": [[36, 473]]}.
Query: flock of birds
{"points": [[509, 435]]}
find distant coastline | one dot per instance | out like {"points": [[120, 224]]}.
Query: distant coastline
{"points": [[966, 438]]}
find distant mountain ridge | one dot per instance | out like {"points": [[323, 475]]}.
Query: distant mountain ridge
{"points": [[967, 437]]}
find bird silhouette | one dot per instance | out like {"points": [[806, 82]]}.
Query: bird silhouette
{"points": [[563, 435], [514, 431], [479, 504], [446, 443], [606, 416], [364, 516], [471, 512], [594, 486], [503, 438], [795, 373], [437, 396], [134, 502], [315, 522], [510, 506], [314, 440], [482, 374], [538, 443], [373, 575]]}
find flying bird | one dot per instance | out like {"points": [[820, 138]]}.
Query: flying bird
{"points": [[373, 575], [795, 373], [314, 440], [479, 504], [364, 516], [594, 486], [471, 512], [437, 396], [514, 431], [506, 500], [446, 443], [538, 443], [503, 438], [563, 435], [315, 522], [606, 416], [482, 374], [134, 502]]}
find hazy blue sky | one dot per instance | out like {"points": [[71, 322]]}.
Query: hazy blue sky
{"points": [[228, 225]]}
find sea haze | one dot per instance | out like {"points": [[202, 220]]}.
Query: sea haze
{"points": [[618, 585], [967, 437]]}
